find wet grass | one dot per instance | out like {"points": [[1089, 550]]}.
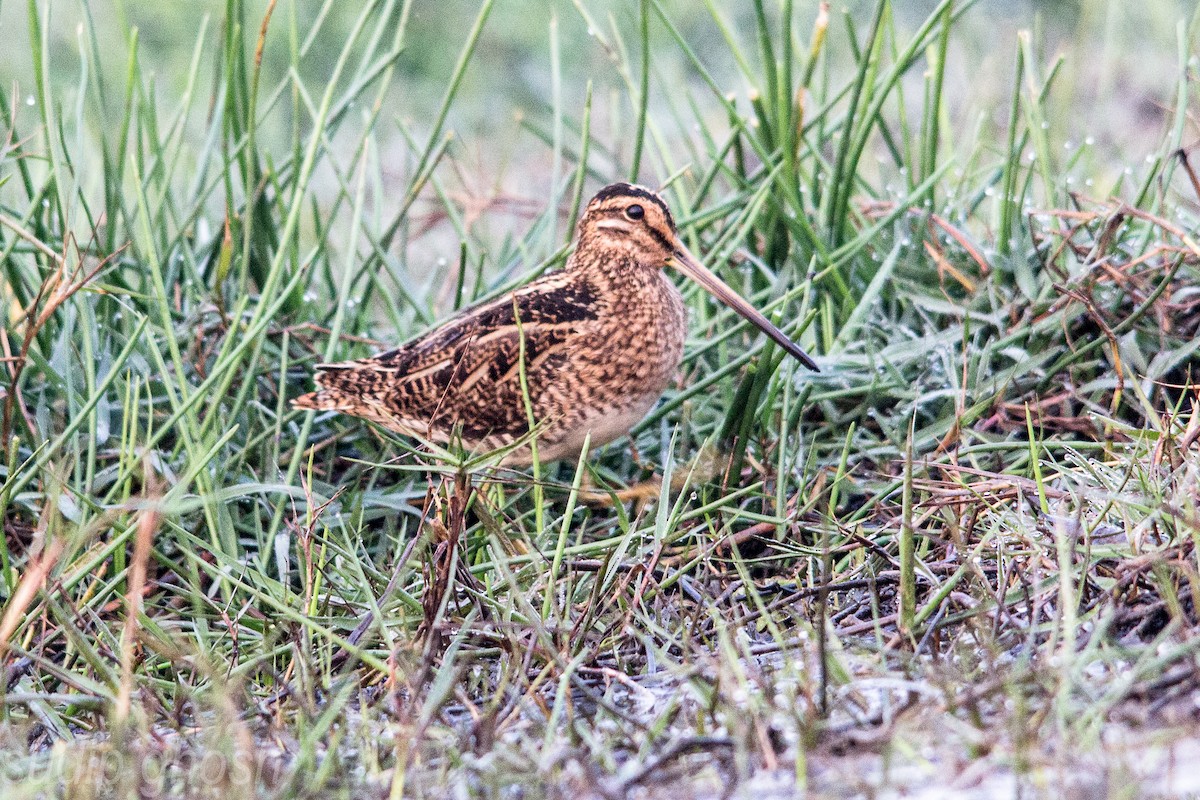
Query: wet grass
{"points": [[961, 558]]}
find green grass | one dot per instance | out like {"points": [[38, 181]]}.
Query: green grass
{"points": [[966, 549]]}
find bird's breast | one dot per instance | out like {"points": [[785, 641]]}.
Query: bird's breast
{"points": [[615, 366], [642, 338]]}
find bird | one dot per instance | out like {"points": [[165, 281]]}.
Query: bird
{"points": [[584, 352]]}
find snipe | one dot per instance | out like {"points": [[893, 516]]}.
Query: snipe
{"points": [[600, 340]]}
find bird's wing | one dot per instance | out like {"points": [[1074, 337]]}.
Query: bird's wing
{"points": [[466, 371]]}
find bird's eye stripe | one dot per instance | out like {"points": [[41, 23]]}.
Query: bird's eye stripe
{"points": [[663, 239]]}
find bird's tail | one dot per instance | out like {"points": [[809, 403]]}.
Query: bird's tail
{"points": [[321, 400], [340, 387]]}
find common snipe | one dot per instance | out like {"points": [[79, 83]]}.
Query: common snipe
{"points": [[600, 340]]}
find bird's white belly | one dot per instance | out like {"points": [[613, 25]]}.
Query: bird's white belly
{"points": [[603, 426], [606, 427]]}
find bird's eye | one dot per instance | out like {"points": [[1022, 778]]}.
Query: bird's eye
{"points": [[635, 211]]}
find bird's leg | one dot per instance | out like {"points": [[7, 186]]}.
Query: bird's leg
{"points": [[704, 467], [634, 454], [641, 493]]}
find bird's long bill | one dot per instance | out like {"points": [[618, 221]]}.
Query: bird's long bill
{"points": [[686, 263]]}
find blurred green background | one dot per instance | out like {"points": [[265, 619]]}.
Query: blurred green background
{"points": [[1122, 62]]}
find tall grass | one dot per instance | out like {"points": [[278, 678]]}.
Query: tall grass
{"points": [[979, 515]]}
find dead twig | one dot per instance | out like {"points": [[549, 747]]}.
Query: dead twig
{"points": [[62, 283]]}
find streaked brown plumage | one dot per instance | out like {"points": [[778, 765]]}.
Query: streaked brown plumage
{"points": [[602, 338]]}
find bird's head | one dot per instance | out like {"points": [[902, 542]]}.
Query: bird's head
{"points": [[629, 224]]}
